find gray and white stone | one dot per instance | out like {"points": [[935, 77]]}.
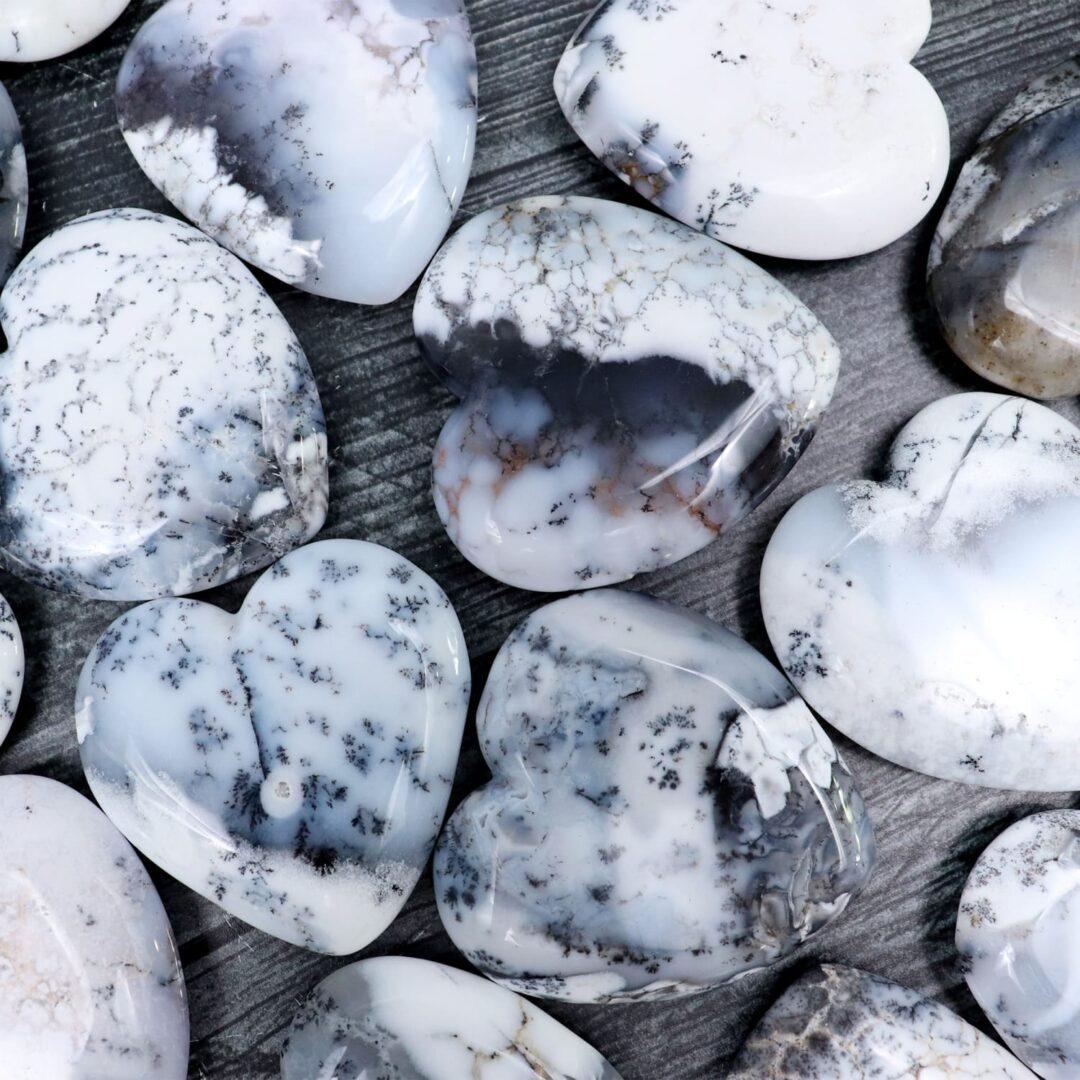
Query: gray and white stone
{"points": [[1005, 264], [837, 1023], [291, 763], [665, 815], [1018, 934], [12, 668], [629, 389], [328, 143], [161, 430], [33, 30], [934, 617], [779, 126], [90, 983], [14, 187], [396, 1018]]}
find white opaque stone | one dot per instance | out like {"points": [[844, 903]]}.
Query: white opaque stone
{"points": [[43, 29], [1018, 933], [934, 617], [12, 667], [395, 1018], [327, 143], [293, 762], [90, 983], [788, 128]]}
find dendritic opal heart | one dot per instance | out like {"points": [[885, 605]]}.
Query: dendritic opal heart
{"points": [[33, 30], [934, 618], [161, 430], [779, 126], [665, 814], [14, 188], [1017, 933], [629, 389], [327, 142], [90, 983], [292, 763], [838, 1023], [1005, 263], [12, 667], [395, 1018]]}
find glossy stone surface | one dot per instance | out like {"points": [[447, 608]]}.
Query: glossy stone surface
{"points": [[837, 1023], [90, 983], [395, 1018], [1018, 931], [161, 430], [629, 389], [12, 667], [785, 128], [292, 762], [665, 814], [1005, 263], [934, 617], [14, 187], [327, 143], [43, 29]]}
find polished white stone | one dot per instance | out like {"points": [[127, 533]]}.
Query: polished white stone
{"points": [[90, 983], [934, 617], [665, 814], [14, 186], [12, 667], [327, 143], [629, 389], [1018, 933], [783, 127], [395, 1018], [43, 29], [293, 762], [161, 430]]}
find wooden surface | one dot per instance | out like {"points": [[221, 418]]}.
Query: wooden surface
{"points": [[384, 412]]}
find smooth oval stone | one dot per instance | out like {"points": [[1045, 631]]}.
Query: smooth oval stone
{"points": [[43, 29], [665, 814], [781, 127], [396, 1018], [934, 618], [161, 430], [629, 389], [327, 143], [837, 1023], [12, 667], [1018, 933], [291, 763], [14, 187], [1005, 263], [90, 983]]}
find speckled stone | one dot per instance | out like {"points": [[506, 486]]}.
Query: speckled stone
{"points": [[14, 187], [161, 430], [665, 814], [33, 30], [328, 143], [1005, 264], [12, 667], [90, 983], [291, 763], [629, 389], [395, 1018]]}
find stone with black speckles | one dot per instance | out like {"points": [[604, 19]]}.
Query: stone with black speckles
{"points": [[12, 667], [630, 389], [291, 763], [665, 815], [32, 30]]}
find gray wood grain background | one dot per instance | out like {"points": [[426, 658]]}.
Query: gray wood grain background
{"points": [[384, 412]]}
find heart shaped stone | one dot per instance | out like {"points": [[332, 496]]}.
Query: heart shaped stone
{"points": [[14, 188], [12, 667], [90, 983], [630, 389], [291, 763], [783, 127], [161, 430], [396, 1018], [327, 143], [1017, 934], [1005, 262], [665, 814], [934, 617], [43, 29], [842, 1024]]}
